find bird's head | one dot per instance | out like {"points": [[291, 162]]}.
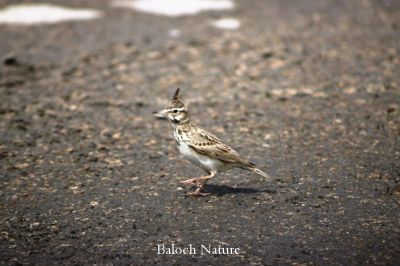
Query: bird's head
{"points": [[176, 112]]}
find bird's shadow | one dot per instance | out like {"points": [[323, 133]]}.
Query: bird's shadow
{"points": [[220, 190]]}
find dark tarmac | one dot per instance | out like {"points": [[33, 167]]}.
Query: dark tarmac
{"points": [[307, 90]]}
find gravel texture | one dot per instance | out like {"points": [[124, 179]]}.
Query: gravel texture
{"points": [[307, 90]]}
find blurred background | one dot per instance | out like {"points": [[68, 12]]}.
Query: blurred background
{"points": [[307, 90]]}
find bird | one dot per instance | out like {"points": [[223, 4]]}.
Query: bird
{"points": [[200, 147]]}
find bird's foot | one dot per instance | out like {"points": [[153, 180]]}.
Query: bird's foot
{"points": [[197, 193]]}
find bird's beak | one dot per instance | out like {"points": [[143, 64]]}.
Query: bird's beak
{"points": [[160, 114]]}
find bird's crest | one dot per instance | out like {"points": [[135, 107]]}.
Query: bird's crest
{"points": [[177, 101]]}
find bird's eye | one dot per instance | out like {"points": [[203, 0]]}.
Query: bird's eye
{"points": [[175, 111]]}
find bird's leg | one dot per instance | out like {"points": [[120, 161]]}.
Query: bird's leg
{"points": [[200, 183], [191, 181], [202, 180]]}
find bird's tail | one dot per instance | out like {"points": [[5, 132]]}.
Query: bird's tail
{"points": [[252, 167], [258, 171]]}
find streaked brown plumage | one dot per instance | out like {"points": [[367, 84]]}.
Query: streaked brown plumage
{"points": [[201, 147]]}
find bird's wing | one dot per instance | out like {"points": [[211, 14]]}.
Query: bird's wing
{"points": [[207, 144]]}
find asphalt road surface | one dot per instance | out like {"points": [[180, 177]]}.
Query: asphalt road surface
{"points": [[307, 90]]}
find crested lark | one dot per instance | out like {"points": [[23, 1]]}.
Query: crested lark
{"points": [[201, 147]]}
